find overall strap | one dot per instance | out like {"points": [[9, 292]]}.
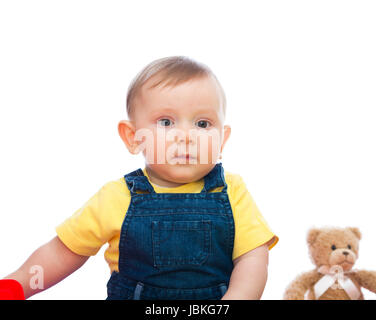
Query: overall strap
{"points": [[215, 178], [137, 181]]}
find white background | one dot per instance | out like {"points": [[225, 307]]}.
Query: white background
{"points": [[300, 79]]}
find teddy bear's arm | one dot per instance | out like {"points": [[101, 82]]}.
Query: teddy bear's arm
{"points": [[367, 279], [298, 287]]}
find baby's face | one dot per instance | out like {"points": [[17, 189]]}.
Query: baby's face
{"points": [[180, 130]]}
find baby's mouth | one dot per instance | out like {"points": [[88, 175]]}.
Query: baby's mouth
{"points": [[186, 157]]}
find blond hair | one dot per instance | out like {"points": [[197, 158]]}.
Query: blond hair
{"points": [[172, 71]]}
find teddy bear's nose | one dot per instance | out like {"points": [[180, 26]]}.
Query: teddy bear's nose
{"points": [[345, 253]]}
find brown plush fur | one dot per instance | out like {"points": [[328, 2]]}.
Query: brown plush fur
{"points": [[332, 247]]}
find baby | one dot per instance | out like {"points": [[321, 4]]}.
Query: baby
{"points": [[181, 227]]}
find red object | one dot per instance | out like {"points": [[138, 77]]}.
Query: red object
{"points": [[11, 290]]}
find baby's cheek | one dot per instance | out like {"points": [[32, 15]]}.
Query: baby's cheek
{"points": [[144, 138], [210, 146], [155, 147]]}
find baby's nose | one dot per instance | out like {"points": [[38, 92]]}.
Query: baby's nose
{"points": [[184, 136]]}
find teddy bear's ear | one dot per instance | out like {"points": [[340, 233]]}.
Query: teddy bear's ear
{"points": [[356, 232], [312, 235]]}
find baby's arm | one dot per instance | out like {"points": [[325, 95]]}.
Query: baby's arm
{"points": [[249, 275], [56, 261]]}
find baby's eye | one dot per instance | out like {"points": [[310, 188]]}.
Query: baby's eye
{"points": [[203, 124], [164, 122]]}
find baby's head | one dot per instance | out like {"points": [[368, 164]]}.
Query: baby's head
{"points": [[176, 112]]}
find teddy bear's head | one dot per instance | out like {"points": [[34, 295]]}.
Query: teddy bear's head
{"points": [[334, 246]]}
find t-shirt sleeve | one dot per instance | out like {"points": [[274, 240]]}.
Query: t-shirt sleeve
{"points": [[90, 226], [251, 229]]}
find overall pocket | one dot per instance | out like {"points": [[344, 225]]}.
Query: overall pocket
{"points": [[180, 242]]}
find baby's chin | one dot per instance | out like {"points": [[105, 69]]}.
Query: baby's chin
{"points": [[182, 173]]}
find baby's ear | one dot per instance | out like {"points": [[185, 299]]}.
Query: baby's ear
{"points": [[356, 232], [127, 131], [312, 235]]}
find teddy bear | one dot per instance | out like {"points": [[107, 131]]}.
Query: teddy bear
{"points": [[334, 252]]}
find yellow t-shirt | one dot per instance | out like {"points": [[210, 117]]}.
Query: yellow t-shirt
{"points": [[100, 219]]}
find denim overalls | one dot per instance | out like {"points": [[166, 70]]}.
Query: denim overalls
{"points": [[174, 245]]}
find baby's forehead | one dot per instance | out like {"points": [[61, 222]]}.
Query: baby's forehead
{"points": [[201, 93]]}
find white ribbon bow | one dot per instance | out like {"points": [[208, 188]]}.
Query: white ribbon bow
{"points": [[335, 273]]}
